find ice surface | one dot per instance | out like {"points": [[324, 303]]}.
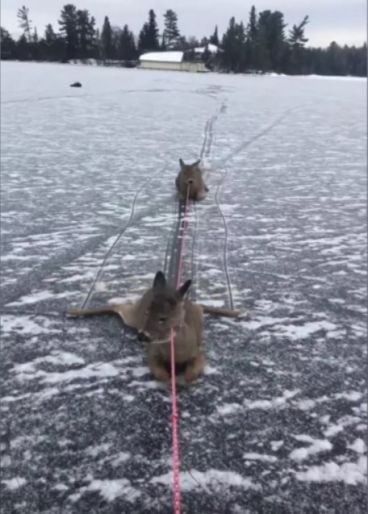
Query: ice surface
{"points": [[277, 422], [317, 446], [216, 478], [259, 456], [351, 473], [14, 483], [110, 490]]}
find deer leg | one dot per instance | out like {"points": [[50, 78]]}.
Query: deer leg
{"points": [[126, 311], [194, 368], [104, 309], [158, 370]]}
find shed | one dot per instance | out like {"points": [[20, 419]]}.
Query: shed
{"points": [[173, 60]]}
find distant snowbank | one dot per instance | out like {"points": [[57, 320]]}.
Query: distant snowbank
{"points": [[122, 64], [332, 77], [91, 62], [314, 76]]}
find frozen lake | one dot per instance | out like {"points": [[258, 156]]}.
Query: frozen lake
{"points": [[278, 423]]}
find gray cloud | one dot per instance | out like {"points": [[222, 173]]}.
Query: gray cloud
{"points": [[340, 20]]}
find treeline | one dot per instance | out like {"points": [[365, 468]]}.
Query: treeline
{"points": [[262, 44]]}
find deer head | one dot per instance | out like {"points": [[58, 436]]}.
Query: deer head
{"points": [[190, 172], [166, 309]]}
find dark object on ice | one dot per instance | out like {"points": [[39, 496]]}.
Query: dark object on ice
{"points": [[76, 84], [190, 176]]}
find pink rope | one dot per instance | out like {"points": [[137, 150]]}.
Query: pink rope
{"points": [[181, 248], [174, 406], [174, 426]]}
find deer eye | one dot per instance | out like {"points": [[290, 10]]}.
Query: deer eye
{"points": [[162, 319]]}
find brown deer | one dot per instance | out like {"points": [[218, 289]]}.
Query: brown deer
{"points": [[160, 310], [189, 182]]}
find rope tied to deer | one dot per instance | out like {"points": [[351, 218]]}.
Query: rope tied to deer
{"points": [[174, 403]]}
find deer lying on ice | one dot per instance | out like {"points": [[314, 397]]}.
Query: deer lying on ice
{"points": [[160, 310], [190, 177]]}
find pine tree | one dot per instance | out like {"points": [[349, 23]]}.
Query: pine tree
{"points": [[86, 34], [50, 36], [106, 40], [297, 41], [335, 60], [93, 37], [228, 42], [262, 59], [69, 29], [251, 43], [171, 32], [148, 36], [233, 44], [48, 44], [214, 39], [361, 69], [24, 22], [241, 39], [358, 59], [23, 51], [126, 48], [153, 30], [143, 39], [277, 41], [52, 45], [7, 45], [252, 26], [115, 38], [271, 42], [34, 46], [296, 34]]}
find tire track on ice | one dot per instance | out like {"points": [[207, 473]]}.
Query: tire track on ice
{"points": [[245, 144], [223, 161], [120, 234], [226, 237], [27, 282]]}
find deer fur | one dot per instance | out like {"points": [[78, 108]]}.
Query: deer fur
{"points": [[189, 182], [160, 310]]}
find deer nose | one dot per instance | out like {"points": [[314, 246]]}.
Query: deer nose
{"points": [[142, 336]]}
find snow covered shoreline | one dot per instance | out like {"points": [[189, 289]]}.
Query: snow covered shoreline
{"points": [[102, 64]]}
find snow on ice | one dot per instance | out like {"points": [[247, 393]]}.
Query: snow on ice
{"points": [[277, 421]]}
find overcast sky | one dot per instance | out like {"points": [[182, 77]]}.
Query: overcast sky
{"points": [[343, 21]]}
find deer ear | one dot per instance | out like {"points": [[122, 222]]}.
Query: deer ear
{"points": [[159, 281], [181, 162], [184, 288], [197, 162]]}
